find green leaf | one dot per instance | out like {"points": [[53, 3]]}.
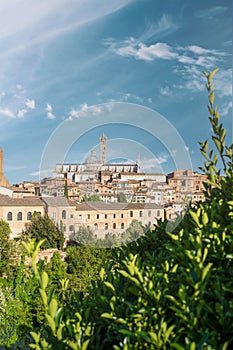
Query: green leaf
{"points": [[50, 294], [44, 280], [53, 307], [35, 336], [107, 315], [211, 98], [43, 296], [177, 346], [210, 76], [109, 285], [205, 271]]}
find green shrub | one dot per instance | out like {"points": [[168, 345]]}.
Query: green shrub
{"points": [[168, 290]]}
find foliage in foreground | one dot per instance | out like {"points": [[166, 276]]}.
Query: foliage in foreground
{"points": [[168, 290]]}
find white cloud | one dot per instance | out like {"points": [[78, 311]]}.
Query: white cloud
{"points": [[165, 91], [226, 109], [164, 26], [149, 100], [131, 97], [30, 104], [223, 82], [140, 51], [21, 113], [51, 116], [7, 112], [49, 108], [148, 164], [85, 110], [35, 22]]}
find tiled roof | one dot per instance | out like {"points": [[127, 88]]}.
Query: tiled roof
{"points": [[58, 202], [102, 206], [17, 202]]}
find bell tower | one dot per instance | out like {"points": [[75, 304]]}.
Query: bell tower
{"points": [[3, 180], [103, 149]]}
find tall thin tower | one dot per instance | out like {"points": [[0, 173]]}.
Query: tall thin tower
{"points": [[103, 149], [1, 163], [3, 180]]}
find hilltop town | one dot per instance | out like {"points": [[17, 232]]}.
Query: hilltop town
{"points": [[104, 197]]}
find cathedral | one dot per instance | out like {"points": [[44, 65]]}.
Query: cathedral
{"points": [[93, 166]]}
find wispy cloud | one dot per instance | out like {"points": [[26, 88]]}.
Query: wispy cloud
{"points": [[85, 110], [36, 22], [165, 25], [7, 112], [148, 164], [226, 109], [211, 13]]}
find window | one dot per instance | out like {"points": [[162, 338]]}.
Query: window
{"points": [[19, 216], [97, 216], [95, 227], [54, 215], [9, 216], [63, 215], [122, 215], [88, 216], [105, 216], [149, 213], [106, 226], [71, 228], [114, 216], [64, 228], [29, 215], [71, 216], [114, 226], [122, 225], [140, 213], [131, 213], [158, 212]]}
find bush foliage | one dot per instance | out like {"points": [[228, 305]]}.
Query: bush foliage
{"points": [[167, 290]]}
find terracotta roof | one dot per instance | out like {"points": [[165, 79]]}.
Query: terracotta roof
{"points": [[102, 206], [58, 202], [13, 202]]}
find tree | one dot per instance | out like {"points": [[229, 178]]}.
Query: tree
{"points": [[42, 227], [134, 231], [5, 245], [121, 198], [84, 235], [93, 198], [66, 190]]}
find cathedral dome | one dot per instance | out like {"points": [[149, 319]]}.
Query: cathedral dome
{"points": [[92, 158]]}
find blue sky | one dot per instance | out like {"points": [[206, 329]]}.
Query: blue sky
{"points": [[72, 61]]}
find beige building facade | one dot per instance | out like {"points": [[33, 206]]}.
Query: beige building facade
{"points": [[17, 212]]}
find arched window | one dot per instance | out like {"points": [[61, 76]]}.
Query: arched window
{"points": [[122, 225], [19, 216], [29, 215], [114, 226], [63, 215], [9, 216], [95, 227], [106, 226]]}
